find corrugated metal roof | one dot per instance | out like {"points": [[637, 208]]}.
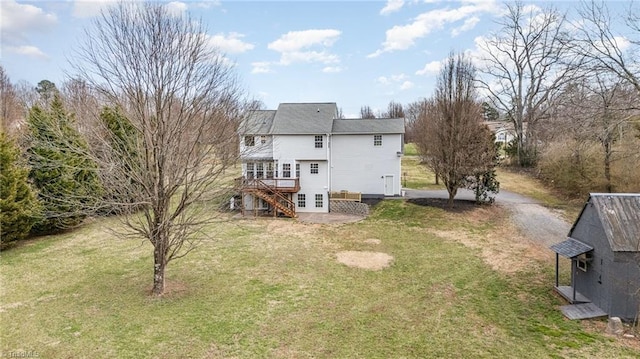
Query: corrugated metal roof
{"points": [[571, 248], [620, 217], [258, 122], [304, 118], [368, 126]]}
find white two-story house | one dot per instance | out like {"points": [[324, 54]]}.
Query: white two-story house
{"points": [[293, 157]]}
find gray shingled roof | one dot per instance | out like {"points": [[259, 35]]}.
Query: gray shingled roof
{"points": [[304, 118], [620, 217], [258, 122], [369, 126], [571, 248]]}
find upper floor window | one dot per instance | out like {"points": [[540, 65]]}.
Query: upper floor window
{"points": [[249, 141], [377, 140], [250, 170], [263, 140], [297, 170], [259, 170], [314, 168], [286, 170], [318, 141]]}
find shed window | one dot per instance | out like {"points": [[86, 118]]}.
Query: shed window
{"points": [[583, 260], [318, 141], [249, 141], [377, 140]]}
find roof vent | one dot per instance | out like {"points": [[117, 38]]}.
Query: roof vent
{"points": [[318, 109]]}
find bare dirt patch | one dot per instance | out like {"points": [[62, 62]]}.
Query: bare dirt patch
{"points": [[372, 241], [365, 260]]}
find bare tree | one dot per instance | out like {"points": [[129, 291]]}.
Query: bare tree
{"points": [[450, 134], [179, 95], [394, 110], [607, 50], [366, 112], [13, 113], [412, 113], [524, 65]]}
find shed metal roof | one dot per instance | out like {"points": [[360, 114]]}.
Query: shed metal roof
{"points": [[368, 126], [571, 248], [304, 118], [620, 217]]}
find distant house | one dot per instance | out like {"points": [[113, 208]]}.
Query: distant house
{"points": [[604, 248], [295, 156]]}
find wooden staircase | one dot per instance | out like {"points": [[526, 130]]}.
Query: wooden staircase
{"points": [[274, 197]]}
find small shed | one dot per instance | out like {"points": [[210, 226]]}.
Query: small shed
{"points": [[604, 248]]}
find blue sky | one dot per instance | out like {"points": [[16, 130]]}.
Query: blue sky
{"points": [[354, 53]]}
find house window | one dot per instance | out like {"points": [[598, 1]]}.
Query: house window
{"points": [[319, 200], [263, 139], [297, 170], [318, 141], [377, 140], [250, 170], [286, 170], [314, 168], [269, 169], [302, 200], [259, 170], [249, 141], [275, 169]]}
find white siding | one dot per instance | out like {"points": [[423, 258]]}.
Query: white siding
{"points": [[288, 148], [313, 184], [359, 166], [259, 150]]}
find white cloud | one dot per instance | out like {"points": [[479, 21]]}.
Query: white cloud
{"points": [[230, 43], [261, 67], [16, 20], [27, 50], [332, 69], [431, 68], [469, 24], [406, 85], [297, 40], [384, 80], [307, 46], [90, 8], [402, 37], [392, 6], [176, 8]]}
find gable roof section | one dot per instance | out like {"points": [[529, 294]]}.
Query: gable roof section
{"points": [[304, 118], [258, 122], [368, 126], [619, 214]]}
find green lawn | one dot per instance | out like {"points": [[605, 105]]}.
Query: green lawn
{"points": [[273, 289]]}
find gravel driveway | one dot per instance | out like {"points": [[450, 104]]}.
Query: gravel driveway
{"points": [[534, 220]]}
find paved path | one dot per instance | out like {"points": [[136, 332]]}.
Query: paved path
{"points": [[534, 220]]}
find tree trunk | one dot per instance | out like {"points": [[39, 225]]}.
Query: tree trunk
{"points": [[452, 194], [607, 165], [159, 266]]}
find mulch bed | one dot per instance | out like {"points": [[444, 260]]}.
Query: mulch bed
{"points": [[459, 205]]}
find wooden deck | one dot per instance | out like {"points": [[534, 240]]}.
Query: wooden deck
{"points": [[582, 311], [567, 293]]}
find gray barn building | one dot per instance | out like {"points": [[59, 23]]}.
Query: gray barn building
{"points": [[604, 248]]}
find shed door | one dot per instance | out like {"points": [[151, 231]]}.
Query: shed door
{"points": [[388, 185]]}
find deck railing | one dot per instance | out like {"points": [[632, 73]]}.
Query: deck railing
{"points": [[278, 184]]}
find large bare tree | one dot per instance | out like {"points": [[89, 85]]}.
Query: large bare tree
{"points": [[175, 94], [449, 130], [524, 64], [607, 49]]}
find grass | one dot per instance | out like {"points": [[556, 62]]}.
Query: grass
{"points": [[415, 175], [273, 289]]}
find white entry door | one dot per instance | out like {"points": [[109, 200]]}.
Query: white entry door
{"points": [[388, 185]]}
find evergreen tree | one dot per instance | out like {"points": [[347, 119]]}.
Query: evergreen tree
{"points": [[64, 174], [19, 206]]}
